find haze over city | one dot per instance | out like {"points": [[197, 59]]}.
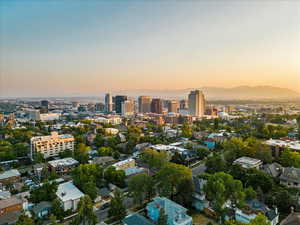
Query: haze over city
{"points": [[83, 48]]}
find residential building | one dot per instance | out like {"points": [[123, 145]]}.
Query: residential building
{"points": [[248, 163], [173, 106], [10, 176], [196, 103], [278, 145], [108, 103], [144, 103], [49, 116], [184, 104], [273, 169], [252, 209], [63, 165], [177, 214], [125, 164], [51, 145], [104, 160], [127, 107], [199, 199], [119, 99], [42, 209], [290, 177], [111, 130], [10, 205], [136, 219], [100, 107], [157, 106], [69, 195]]}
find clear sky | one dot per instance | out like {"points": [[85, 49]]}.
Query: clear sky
{"points": [[85, 47]]}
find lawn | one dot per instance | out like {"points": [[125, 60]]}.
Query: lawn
{"points": [[200, 219]]}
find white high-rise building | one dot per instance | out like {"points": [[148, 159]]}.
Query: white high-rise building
{"points": [[196, 103], [51, 145], [108, 103]]}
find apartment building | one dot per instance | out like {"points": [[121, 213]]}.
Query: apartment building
{"points": [[51, 145]]}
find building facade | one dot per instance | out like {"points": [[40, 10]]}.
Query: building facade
{"points": [[51, 145], [173, 106], [119, 99], [127, 107], [144, 104], [196, 103], [108, 103], [157, 106]]}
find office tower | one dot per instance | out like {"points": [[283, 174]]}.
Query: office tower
{"points": [[173, 106], [108, 103], [33, 114], [118, 102], [157, 106], [184, 104], [127, 107], [100, 107], [51, 145], [144, 104], [196, 103], [44, 106]]}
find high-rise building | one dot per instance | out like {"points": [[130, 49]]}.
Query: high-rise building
{"points": [[44, 106], [33, 114], [51, 145], [100, 107], [144, 104], [128, 107], [118, 102], [173, 106], [184, 104], [157, 106], [196, 103], [108, 103]]}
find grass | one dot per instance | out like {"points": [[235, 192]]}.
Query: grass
{"points": [[200, 219]]}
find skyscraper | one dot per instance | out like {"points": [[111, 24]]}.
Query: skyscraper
{"points": [[157, 106], [196, 103], [184, 104], [173, 106], [108, 103], [118, 102], [144, 104], [44, 106], [128, 107]]}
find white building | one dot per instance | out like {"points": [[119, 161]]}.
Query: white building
{"points": [[69, 195], [196, 103], [280, 144], [51, 145], [33, 114], [49, 116], [248, 163], [110, 130]]}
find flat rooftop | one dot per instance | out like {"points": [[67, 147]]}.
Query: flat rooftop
{"points": [[63, 162], [295, 145]]}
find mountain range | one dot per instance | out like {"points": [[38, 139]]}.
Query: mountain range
{"points": [[217, 93]]}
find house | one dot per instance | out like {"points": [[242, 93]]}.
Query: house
{"points": [[290, 177], [42, 209], [248, 163], [136, 219], [4, 194], [69, 195], [122, 165], [199, 200], [251, 210], [104, 160], [177, 215], [292, 219], [38, 168], [10, 209], [273, 169], [112, 131], [10, 176]]}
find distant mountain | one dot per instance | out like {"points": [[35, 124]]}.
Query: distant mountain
{"points": [[216, 93]]}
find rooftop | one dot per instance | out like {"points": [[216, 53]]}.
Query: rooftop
{"points": [[295, 145], [9, 202], [68, 191], [248, 162], [136, 219], [9, 173], [63, 162]]}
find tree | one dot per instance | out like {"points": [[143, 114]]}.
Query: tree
{"points": [[81, 153], [155, 159], [117, 209], [114, 176], [289, 158], [186, 130], [163, 218], [85, 211], [24, 220], [57, 209], [105, 151], [140, 186], [47, 192], [170, 177], [250, 193], [215, 163], [260, 219]]}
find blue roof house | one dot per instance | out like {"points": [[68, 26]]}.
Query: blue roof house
{"points": [[177, 215]]}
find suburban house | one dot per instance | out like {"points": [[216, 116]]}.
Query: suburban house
{"points": [[273, 169], [63, 165], [290, 177], [42, 209], [248, 163], [10, 209], [199, 200], [177, 215], [251, 210], [69, 195], [104, 160], [10, 176], [136, 219]]}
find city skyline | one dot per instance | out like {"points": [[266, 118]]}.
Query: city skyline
{"points": [[63, 48]]}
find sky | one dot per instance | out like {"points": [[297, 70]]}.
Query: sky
{"points": [[87, 47]]}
